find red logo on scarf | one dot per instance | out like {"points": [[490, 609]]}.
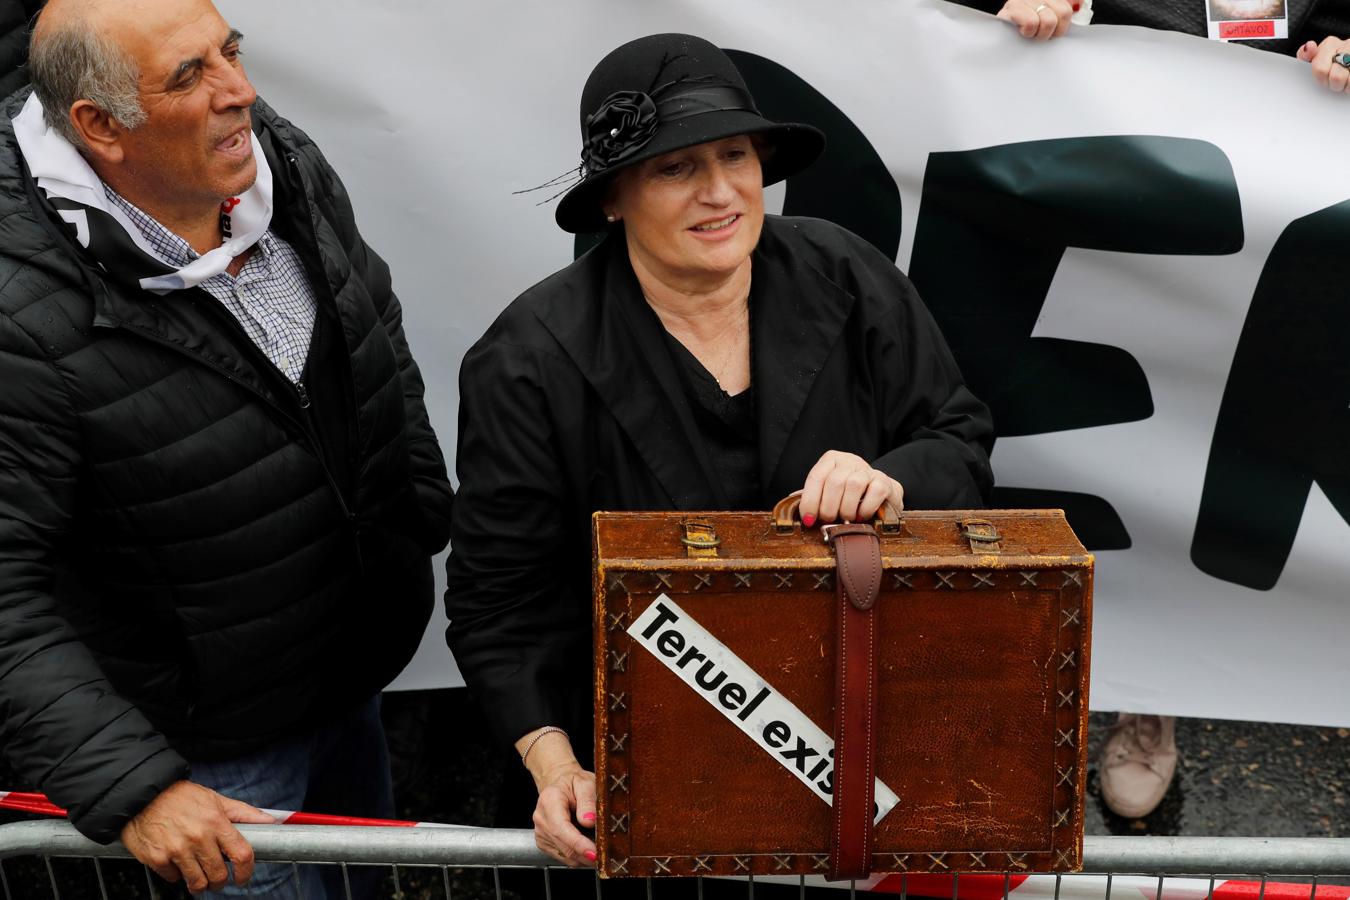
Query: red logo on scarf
{"points": [[225, 208]]}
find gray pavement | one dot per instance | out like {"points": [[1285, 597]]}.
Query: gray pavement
{"points": [[1248, 779]]}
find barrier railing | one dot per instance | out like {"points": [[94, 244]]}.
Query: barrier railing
{"points": [[1156, 868]]}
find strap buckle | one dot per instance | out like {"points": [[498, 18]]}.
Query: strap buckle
{"points": [[835, 529]]}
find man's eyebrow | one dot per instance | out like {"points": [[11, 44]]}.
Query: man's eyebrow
{"points": [[188, 66]]}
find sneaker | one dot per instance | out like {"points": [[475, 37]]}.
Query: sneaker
{"points": [[1138, 762]]}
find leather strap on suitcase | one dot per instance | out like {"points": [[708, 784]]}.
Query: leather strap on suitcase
{"points": [[857, 581]]}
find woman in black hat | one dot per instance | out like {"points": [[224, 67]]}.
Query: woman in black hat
{"points": [[702, 356]]}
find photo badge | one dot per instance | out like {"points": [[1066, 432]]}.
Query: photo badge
{"points": [[1247, 20]]}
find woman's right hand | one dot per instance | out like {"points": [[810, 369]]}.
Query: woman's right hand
{"points": [[566, 799], [1329, 73], [1039, 20]]}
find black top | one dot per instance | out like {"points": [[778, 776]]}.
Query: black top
{"points": [[726, 425], [571, 403]]}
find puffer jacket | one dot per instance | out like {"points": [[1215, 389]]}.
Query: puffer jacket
{"points": [[14, 18], [188, 569]]}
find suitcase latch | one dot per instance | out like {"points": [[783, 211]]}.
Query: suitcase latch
{"points": [[700, 539], [983, 536]]}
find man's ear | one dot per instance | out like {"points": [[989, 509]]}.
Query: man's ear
{"points": [[102, 134]]}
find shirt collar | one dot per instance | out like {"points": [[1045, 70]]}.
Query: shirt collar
{"points": [[169, 247]]}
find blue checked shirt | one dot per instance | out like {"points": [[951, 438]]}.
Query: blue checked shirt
{"points": [[271, 297]]}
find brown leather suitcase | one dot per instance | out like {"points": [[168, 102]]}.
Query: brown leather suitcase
{"points": [[721, 692]]}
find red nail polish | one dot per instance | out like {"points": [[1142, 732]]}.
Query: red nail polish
{"points": [[808, 520], [1077, 7], [590, 856], [588, 817]]}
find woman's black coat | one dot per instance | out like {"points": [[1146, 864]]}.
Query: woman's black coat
{"points": [[571, 403]]}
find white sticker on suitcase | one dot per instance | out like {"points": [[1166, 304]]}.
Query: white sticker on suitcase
{"points": [[749, 702]]}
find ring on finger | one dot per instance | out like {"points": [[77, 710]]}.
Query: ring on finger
{"points": [[1042, 6], [1341, 59]]}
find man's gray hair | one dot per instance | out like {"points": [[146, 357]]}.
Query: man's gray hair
{"points": [[72, 61]]}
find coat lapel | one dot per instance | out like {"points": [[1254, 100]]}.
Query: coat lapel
{"points": [[616, 341], [798, 315]]}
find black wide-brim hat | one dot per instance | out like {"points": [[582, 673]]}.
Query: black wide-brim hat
{"points": [[666, 92]]}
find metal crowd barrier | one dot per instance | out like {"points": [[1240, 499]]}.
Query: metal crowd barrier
{"points": [[1134, 868]]}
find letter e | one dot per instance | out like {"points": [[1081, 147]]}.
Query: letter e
{"points": [[732, 695], [670, 643]]}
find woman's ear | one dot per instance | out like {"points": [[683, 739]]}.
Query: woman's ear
{"points": [[609, 203]]}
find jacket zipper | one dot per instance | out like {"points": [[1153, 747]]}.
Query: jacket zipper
{"points": [[317, 260]]}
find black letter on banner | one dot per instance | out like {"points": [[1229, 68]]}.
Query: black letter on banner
{"points": [[993, 225], [1284, 422], [849, 185]]}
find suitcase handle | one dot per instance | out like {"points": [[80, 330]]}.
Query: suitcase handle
{"points": [[786, 519]]}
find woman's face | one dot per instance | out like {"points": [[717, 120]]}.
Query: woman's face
{"points": [[694, 214]]}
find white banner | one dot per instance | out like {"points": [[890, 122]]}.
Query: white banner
{"points": [[1090, 221]]}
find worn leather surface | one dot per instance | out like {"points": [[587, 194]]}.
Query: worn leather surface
{"points": [[982, 675], [858, 580]]}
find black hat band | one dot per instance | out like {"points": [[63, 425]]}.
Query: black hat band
{"points": [[627, 120], [703, 99]]}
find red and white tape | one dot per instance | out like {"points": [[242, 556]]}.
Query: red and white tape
{"points": [[1075, 887], [967, 887], [40, 805]]}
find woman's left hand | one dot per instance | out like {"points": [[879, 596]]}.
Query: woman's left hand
{"points": [[842, 487], [566, 796], [1329, 73]]}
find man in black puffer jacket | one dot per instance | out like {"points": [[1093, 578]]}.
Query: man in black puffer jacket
{"points": [[219, 489]]}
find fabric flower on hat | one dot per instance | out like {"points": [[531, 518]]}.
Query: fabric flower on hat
{"points": [[619, 128]]}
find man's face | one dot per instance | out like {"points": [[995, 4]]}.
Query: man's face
{"points": [[194, 149]]}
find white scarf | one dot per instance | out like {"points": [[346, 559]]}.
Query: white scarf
{"points": [[77, 193]]}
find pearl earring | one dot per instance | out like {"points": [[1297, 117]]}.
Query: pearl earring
{"points": [[611, 218]]}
